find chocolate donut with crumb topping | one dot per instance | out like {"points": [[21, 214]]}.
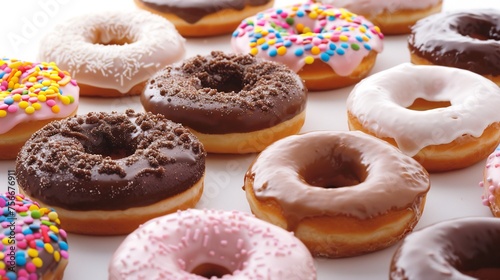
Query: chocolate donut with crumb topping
{"points": [[232, 103], [106, 173]]}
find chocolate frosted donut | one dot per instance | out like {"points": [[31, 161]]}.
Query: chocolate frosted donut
{"points": [[465, 248], [233, 103], [105, 173], [468, 40]]}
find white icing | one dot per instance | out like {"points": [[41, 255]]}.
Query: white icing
{"points": [[78, 46], [375, 7], [380, 104], [170, 247]]}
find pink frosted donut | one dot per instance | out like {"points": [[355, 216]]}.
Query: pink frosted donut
{"points": [[491, 183], [207, 244], [328, 47]]}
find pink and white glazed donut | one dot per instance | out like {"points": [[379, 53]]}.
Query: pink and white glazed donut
{"points": [[32, 94], [392, 16], [491, 183], [113, 53], [211, 244], [328, 47]]}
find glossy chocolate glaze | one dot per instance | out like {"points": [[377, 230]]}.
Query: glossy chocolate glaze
{"points": [[109, 161], [464, 39], [330, 173], [454, 249], [192, 11], [226, 93]]}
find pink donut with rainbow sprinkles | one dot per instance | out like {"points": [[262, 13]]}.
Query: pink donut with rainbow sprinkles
{"points": [[210, 244], [328, 47]]}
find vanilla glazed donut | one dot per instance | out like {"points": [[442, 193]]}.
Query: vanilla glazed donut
{"points": [[200, 18], [491, 183], [113, 53], [467, 39], [342, 193], [34, 246], [32, 94], [107, 173], [232, 103], [446, 118], [392, 16], [328, 47], [211, 244], [457, 249]]}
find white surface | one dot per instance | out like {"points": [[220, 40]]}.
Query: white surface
{"points": [[453, 194]]}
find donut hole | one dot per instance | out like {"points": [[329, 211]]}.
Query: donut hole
{"points": [[115, 142], [108, 37], [478, 29], [209, 270], [223, 78], [421, 104], [110, 148], [341, 169], [485, 266]]}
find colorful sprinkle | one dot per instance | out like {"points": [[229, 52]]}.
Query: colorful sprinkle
{"points": [[308, 32], [25, 238], [26, 87]]}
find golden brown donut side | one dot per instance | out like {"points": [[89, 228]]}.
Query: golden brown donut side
{"points": [[217, 23], [462, 152], [400, 21]]}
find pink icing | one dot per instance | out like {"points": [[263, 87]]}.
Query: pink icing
{"points": [[170, 247], [303, 33], [43, 101], [491, 183]]}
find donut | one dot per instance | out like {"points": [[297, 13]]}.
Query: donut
{"points": [[32, 94], [113, 53], [33, 246], [232, 103], [491, 183], [392, 16], [468, 40], [457, 249], [211, 244], [329, 48], [342, 193], [446, 118], [195, 18], [107, 173]]}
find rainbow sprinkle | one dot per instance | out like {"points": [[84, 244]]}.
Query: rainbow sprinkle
{"points": [[311, 30], [29, 237], [27, 87]]}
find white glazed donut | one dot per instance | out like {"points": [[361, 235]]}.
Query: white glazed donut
{"points": [[392, 16], [446, 118], [113, 53], [203, 244]]}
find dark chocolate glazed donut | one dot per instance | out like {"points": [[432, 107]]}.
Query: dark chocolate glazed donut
{"points": [[468, 40], [226, 93], [465, 248], [109, 161], [193, 10]]}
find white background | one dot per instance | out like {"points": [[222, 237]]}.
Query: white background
{"points": [[453, 194]]}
